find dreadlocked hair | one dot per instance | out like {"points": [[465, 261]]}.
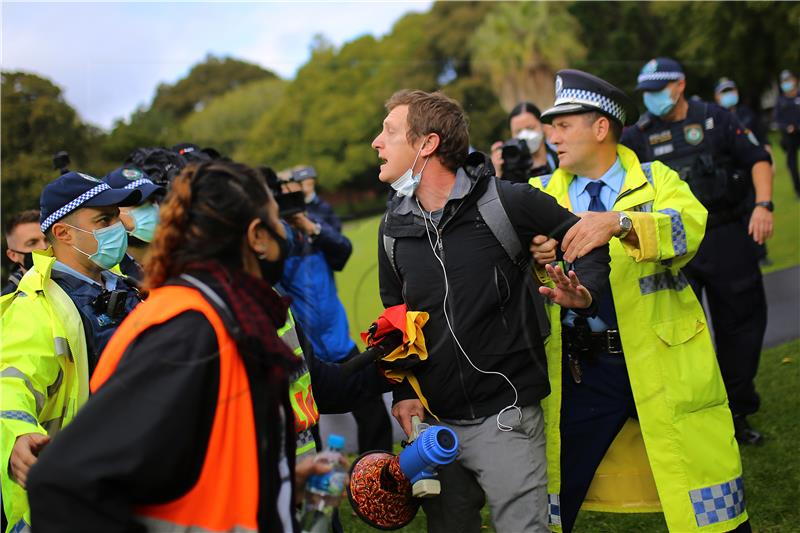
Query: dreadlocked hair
{"points": [[205, 217]]}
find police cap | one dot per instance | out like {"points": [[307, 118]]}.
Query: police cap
{"points": [[132, 178], [724, 84], [580, 92], [657, 73], [75, 190]]}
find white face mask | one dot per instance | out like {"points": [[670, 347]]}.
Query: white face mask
{"points": [[406, 184], [532, 138]]}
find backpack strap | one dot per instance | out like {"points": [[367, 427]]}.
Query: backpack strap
{"points": [[494, 214], [388, 248], [491, 209]]}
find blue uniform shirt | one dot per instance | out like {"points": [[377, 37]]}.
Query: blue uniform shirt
{"points": [[579, 198], [83, 290]]}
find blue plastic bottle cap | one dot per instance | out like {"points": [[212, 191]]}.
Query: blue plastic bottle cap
{"points": [[336, 442]]}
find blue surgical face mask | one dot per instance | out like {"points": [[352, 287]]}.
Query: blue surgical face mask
{"points": [[112, 243], [659, 103], [729, 99], [406, 184], [787, 86], [145, 220]]}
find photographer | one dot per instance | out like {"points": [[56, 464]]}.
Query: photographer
{"points": [[527, 154], [318, 248]]}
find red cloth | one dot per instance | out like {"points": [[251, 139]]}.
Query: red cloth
{"points": [[391, 319]]}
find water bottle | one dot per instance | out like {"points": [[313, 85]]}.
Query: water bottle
{"points": [[324, 491]]}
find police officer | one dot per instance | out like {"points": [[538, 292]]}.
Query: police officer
{"points": [[726, 95], [713, 153], [787, 116], [140, 220], [632, 383], [57, 322]]}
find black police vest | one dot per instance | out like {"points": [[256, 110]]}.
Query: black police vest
{"points": [[101, 311], [686, 147]]}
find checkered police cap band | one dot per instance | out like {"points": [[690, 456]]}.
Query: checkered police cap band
{"points": [[134, 184], [589, 98], [660, 76], [72, 206]]}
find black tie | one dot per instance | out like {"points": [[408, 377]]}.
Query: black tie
{"points": [[605, 307]]}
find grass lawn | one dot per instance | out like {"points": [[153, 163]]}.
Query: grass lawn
{"points": [[771, 471], [784, 247]]}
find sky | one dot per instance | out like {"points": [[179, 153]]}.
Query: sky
{"points": [[109, 57]]}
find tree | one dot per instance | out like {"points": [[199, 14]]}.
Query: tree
{"points": [[206, 80], [227, 120], [36, 123], [520, 46], [750, 42]]}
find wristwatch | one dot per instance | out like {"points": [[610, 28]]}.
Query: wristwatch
{"points": [[625, 225], [768, 204], [316, 231]]}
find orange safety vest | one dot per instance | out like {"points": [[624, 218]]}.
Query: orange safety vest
{"points": [[225, 496]]}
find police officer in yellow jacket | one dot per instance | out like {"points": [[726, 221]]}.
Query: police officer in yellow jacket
{"points": [[642, 372], [56, 323]]}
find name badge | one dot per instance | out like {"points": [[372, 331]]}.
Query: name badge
{"points": [[663, 149], [660, 137]]}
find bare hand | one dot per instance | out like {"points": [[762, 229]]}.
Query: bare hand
{"points": [[760, 226], [301, 222], [543, 249], [404, 410], [592, 230], [497, 158], [568, 292], [308, 467], [24, 454]]}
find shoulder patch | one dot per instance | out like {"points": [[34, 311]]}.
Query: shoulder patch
{"points": [[693, 133]]}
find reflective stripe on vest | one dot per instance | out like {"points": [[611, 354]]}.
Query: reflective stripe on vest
{"points": [[306, 414], [225, 495]]}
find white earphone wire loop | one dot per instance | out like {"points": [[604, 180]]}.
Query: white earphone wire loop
{"points": [[501, 426]]}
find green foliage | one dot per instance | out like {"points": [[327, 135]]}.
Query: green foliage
{"points": [[144, 128], [747, 41], [333, 109], [620, 37], [227, 119], [36, 123], [213, 77], [521, 45], [36, 118]]}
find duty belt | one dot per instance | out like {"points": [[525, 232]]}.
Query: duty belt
{"points": [[581, 341]]}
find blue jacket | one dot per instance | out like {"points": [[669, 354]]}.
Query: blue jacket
{"points": [[308, 279]]}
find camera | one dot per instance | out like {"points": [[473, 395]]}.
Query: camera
{"points": [[289, 203], [517, 160], [61, 162]]}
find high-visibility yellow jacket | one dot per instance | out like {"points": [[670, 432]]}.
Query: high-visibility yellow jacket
{"points": [[306, 414], [44, 370], [684, 419]]}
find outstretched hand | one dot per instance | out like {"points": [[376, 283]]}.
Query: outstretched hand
{"points": [[568, 291]]}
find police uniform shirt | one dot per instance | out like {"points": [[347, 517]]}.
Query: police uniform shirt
{"points": [[750, 120], [667, 141], [579, 198], [83, 290], [787, 112]]}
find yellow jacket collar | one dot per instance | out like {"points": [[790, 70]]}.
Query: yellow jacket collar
{"points": [[634, 176], [36, 278]]}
